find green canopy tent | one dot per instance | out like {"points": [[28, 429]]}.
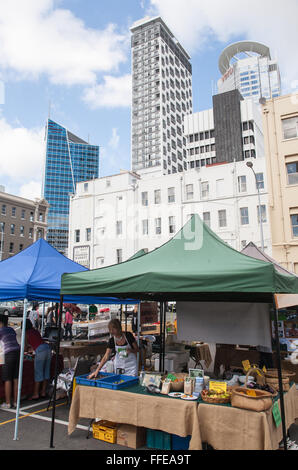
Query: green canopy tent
{"points": [[195, 265]]}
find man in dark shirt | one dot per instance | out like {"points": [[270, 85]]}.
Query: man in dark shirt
{"points": [[10, 369]]}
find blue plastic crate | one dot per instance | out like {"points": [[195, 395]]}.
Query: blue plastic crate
{"points": [[158, 440], [180, 443], [83, 379], [109, 382]]}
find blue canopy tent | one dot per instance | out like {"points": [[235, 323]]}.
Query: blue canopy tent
{"points": [[34, 274]]}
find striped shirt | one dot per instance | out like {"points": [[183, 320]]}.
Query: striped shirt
{"points": [[8, 338]]}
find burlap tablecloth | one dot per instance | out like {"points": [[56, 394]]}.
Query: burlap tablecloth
{"points": [[153, 412], [227, 428]]}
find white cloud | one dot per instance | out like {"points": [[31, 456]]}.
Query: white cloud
{"points": [[113, 93], [36, 38], [21, 153], [272, 22], [114, 141], [30, 190]]}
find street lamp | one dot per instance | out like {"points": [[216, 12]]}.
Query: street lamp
{"points": [[250, 165]]}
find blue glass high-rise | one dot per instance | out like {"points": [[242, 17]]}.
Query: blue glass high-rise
{"points": [[69, 160]]}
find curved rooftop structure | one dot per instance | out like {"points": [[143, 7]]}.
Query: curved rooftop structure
{"points": [[241, 47]]}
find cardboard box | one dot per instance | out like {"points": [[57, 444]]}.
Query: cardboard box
{"points": [[131, 436]]}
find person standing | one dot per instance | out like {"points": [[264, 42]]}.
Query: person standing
{"points": [[34, 316], [42, 360], [10, 368], [68, 324], [125, 348], [92, 312]]}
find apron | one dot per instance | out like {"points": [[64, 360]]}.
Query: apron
{"points": [[125, 360]]}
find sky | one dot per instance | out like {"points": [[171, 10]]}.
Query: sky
{"points": [[71, 60]]}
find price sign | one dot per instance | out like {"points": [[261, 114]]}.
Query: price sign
{"points": [[219, 387], [276, 414], [246, 365]]}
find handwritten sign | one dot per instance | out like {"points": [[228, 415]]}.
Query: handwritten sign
{"points": [[246, 365], [218, 387], [276, 414]]}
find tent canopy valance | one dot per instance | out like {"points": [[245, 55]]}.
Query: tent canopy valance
{"points": [[35, 274], [194, 265]]}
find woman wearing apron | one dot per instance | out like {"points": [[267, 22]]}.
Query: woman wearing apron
{"points": [[126, 349]]}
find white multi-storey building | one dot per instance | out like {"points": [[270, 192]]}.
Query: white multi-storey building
{"points": [[112, 218], [204, 138], [248, 67], [161, 97]]}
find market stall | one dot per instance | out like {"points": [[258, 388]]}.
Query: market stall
{"points": [[194, 266], [34, 274]]}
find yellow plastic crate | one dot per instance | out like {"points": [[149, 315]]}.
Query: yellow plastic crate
{"points": [[105, 431]]}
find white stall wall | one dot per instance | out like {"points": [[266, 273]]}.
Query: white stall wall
{"points": [[224, 322]]}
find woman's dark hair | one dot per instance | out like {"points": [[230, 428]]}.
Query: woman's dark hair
{"points": [[115, 323], [4, 319], [29, 325]]}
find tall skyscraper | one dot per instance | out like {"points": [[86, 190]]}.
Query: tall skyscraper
{"points": [[69, 160], [161, 97], [248, 67]]}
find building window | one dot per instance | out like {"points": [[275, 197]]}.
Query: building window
{"points": [[172, 227], [11, 247], [222, 218], [263, 214], [145, 226], [3, 210], [13, 211], [290, 127], [171, 195], [292, 170], [242, 188], [158, 226], [22, 230], [207, 218], [244, 216], [119, 255], [31, 216], [157, 196], [40, 217], [21, 247], [189, 192], [260, 180], [77, 236], [220, 187], [205, 190], [23, 214], [88, 234], [119, 227], [12, 229], [294, 222], [145, 199], [30, 232]]}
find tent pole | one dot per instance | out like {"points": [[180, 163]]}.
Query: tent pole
{"points": [[139, 334], [161, 333], [21, 370], [56, 370], [282, 405], [164, 335], [42, 322]]}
